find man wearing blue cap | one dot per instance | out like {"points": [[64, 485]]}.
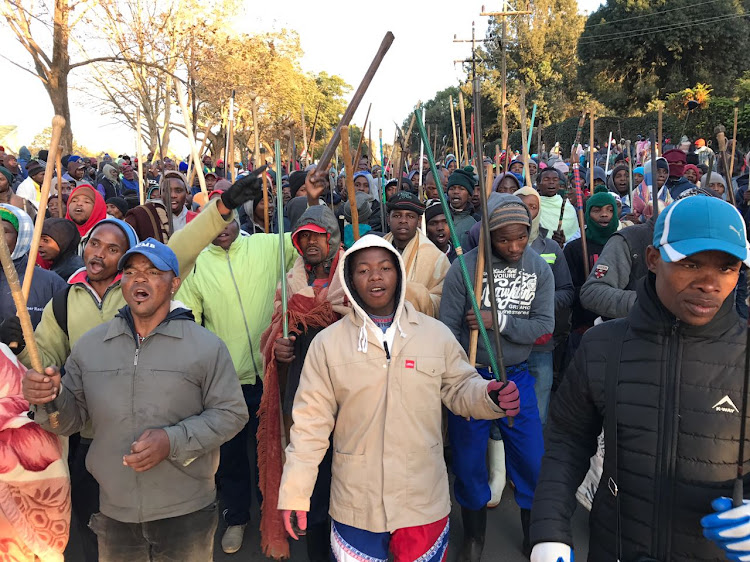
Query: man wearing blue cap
{"points": [[154, 459], [666, 384]]}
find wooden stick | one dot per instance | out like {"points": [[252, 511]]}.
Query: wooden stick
{"points": [[304, 135], [734, 146], [349, 167], [58, 165], [661, 136], [456, 148], [311, 152], [358, 153], [722, 140], [404, 151], [591, 151], [325, 158], [191, 177], [465, 160], [524, 145], [11, 275], [264, 181], [58, 123], [191, 140], [139, 151]]}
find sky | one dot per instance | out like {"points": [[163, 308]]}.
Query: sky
{"points": [[335, 37]]}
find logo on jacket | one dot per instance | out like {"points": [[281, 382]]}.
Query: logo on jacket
{"points": [[408, 364], [726, 406], [600, 271]]}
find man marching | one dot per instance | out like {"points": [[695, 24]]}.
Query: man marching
{"points": [[382, 402]]}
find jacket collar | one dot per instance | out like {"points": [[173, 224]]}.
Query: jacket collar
{"points": [[123, 323], [650, 315]]}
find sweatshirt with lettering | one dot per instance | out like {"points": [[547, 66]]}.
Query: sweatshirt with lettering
{"points": [[525, 295]]}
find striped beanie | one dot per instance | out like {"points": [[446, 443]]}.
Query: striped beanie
{"points": [[511, 210]]}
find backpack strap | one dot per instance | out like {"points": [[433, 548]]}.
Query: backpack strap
{"points": [[60, 308], [611, 380]]}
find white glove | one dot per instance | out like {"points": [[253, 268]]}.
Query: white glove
{"points": [[552, 552]]}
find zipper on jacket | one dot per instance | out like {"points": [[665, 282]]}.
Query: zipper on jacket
{"points": [[387, 353], [244, 318], [670, 429]]}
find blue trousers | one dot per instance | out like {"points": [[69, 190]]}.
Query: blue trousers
{"points": [[524, 447], [541, 368]]}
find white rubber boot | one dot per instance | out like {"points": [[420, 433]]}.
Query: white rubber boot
{"points": [[496, 462]]}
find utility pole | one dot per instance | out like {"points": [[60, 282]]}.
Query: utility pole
{"points": [[503, 43]]}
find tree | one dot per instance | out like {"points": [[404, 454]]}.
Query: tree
{"points": [[635, 51]]}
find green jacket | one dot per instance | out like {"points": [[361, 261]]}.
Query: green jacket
{"points": [[86, 310], [232, 293]]}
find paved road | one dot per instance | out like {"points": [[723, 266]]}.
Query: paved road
{"points": [[503, 537]]}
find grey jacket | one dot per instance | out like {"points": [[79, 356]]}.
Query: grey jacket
{"points": [[180, 379], [526, 297]]}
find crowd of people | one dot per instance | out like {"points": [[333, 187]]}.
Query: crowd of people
{"points": [[172, 361]]}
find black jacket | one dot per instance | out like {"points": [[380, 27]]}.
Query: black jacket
{"points": [[44, 285], [678, 400]]}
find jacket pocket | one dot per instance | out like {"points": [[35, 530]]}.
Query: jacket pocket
{"points": [[428, 477], [420, 383], [349, 479]]}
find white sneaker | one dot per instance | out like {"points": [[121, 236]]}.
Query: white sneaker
{"points": [[231, 542], [496, 462]]}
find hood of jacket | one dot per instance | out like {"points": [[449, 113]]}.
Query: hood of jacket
{"points": [[536, 221], [25, 231], [611, 179], [361, 317], [322, 217]]}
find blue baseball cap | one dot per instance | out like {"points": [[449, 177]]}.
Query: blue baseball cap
{"points": [[699, 224], [161, 255]]}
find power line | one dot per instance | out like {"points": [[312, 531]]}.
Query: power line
{"points": [[656, 13], [670, 27]]}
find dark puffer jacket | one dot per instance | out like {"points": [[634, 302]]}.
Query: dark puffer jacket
{"points": [[677, 433]]}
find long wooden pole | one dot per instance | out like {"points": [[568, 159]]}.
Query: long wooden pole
{"points": [[304, 135], [58, 123], [465, 160], [325, 158], [191, 140], [456, 148], [734, 146], [660, 138], [139, 150], [264, 182], [11, 275], [404, 151], [358, 153], [349, 167], [311, 144], [191, 177]]}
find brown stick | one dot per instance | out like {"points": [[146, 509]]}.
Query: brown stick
{"points": [[465, 161], [266, 221], [58, 123], [358, 153], [19, 300], [139, 154], [325, 158], [349, 167], [58, 166], [191, 177], [405, 150], [734, 146], [722, 140], [524, 146]]}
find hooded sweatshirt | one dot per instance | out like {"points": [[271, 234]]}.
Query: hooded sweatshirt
{"points": [[525, 295], [44, 284], [98, 213], [65, 234], [381, 395]]}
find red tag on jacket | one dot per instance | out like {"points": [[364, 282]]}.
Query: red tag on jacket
{"points": [[408, 364]]}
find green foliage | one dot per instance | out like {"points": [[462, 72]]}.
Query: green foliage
{"points": [[635, 51]]}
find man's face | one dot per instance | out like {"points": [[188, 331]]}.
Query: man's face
{"points": [[210, 182], [178, 191], [314, 246], [510, 241], [361, 184], [227, 236], [549, 183], [11, 236], [516, 168], [4, 185], [286, 193], [693, 289], [661, 177], [260, 209], [452, 166], [105, 247], [53, 206], [10, 162], [169, 165], [437, 231], [602, 215], [532, 168], [637, 179], [391, 190], [532, 203], [48, 248], [207, 161], [430, 187], [458, 196], [38, 177], [375, 277], [364, 164], [621, 181], [690, 175], [78, 173], [717, 187], [507, 185], [146, 289], [81, 207], [403, 226], [114, 210]]}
